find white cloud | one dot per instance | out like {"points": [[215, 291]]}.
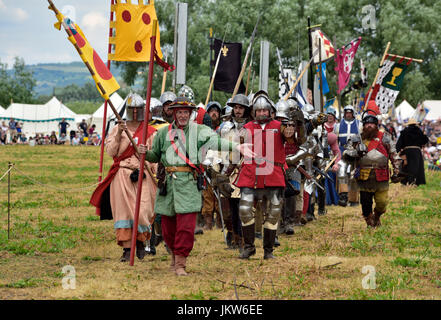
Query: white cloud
{"points": [[20, 14], [2, 5], [94, 20]]}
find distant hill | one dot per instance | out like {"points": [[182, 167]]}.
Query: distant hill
{"points": [[50, 75]]}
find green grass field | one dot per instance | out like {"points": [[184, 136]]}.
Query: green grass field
{"points": [[53, 226]]}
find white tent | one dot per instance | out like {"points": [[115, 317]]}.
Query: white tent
{"points": [[1, 110], [434, 107], [39, 118], [404, 111], [98, 115]]}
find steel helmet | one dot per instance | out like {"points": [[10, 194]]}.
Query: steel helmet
{"points": [[240, 99], [349, 108], [282, 109], [167, 96], [214, 104], [332, 111], [135, 101], [187, 92], [292, 102], [262, 103]]}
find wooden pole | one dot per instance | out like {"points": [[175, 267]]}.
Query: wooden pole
{"points": [[300, 77], [144, 139], [9, 197], [394, 56], [320, 76], [164, 79], [103, 132], [311, 71]]}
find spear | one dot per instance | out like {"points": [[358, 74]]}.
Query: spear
{"points": [[144, 138], [244, 65], [249, 72]]}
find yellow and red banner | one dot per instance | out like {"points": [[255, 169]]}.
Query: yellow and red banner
{"points": [[101, 74], [133, 27]]}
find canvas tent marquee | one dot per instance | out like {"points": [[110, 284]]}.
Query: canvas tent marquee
{"points": [[434, 107], [1, 110], [404, 111], [39, 118]]}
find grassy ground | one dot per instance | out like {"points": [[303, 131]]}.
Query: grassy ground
{"points": [[53, 226]]}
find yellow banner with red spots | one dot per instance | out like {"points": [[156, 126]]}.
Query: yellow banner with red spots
{"points": [[132, 31], [104, 80]]}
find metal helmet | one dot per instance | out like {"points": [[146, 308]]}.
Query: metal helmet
{"points": [[283, 109], [332, 111], [135, 101], [262, 102], [250, 97], [349, 108], [183, 102], [227, 112], [167, 96], [214, 104], [187, 92], [156, 108], [240, 99], [292, 102]]}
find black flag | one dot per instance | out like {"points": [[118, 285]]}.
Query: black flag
{"points": [[229, 66]]}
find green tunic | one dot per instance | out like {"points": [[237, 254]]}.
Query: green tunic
{"points": [[183, 195]]}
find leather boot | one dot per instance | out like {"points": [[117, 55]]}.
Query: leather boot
{"points": [[369, 220], [229, 237], [126, 255], [298, 219], [140, 249], [376, 219], [343, 199], [173, 262], [180, 263], [249, 248], [269, 237], [237, 242], [208, 222]]}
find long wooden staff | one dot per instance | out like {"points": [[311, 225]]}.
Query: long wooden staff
{"points": [[244, 65], [215, 69], [300, 77], [164, 79], [144, 138], [249, 73]]}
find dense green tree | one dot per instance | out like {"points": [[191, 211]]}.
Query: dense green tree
{"points": [[410, 26], [18, 85]]}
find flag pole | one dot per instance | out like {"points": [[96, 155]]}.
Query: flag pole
{"points": [[320, 75], [376, 76], [144, 138], [300, 76], [164, 79], [103, 134], [215, 70], [311, 71]]}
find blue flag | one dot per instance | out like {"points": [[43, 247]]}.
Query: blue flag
{"points": [[324, 81]]}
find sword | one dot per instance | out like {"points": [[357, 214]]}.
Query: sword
{"points": [[220, 205], [308, 177], [323, 173]]}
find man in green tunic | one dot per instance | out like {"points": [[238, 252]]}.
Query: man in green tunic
{"points": [[179, 197]]}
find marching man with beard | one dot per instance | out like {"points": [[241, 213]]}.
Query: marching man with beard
{"points": [[179, 197], [373, 170], [261, 177]]}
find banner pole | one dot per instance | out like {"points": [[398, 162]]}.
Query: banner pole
{"points": [[144, 138], [103, 134]]}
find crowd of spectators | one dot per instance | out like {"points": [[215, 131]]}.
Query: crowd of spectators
{"points": [[11, 133], [432, 152]]}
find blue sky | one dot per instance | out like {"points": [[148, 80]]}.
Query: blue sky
{"points": [[27, 31]]}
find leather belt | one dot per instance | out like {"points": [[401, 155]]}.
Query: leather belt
{"points": [[373, 167], [411, 147], [178, 169]]}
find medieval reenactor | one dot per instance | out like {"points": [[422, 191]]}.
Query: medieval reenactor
{"points": [[233, 130], [167, 99], [409, 145], [261, 177], [289, 113], [376, 150], [179, 196], [348, 127], [115, 196]]}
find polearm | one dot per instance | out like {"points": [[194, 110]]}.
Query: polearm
{"points": [[144, 138], [249, 73], [164, 78], [300, 76], [244, 65], [103, 134], [215, 70], [107, 98]]}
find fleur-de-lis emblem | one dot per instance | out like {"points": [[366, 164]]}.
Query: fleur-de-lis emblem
{"points": [[225, 51]]}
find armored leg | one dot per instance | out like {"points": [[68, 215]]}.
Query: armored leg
{"points": [[271, 221], [248, 222]]}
